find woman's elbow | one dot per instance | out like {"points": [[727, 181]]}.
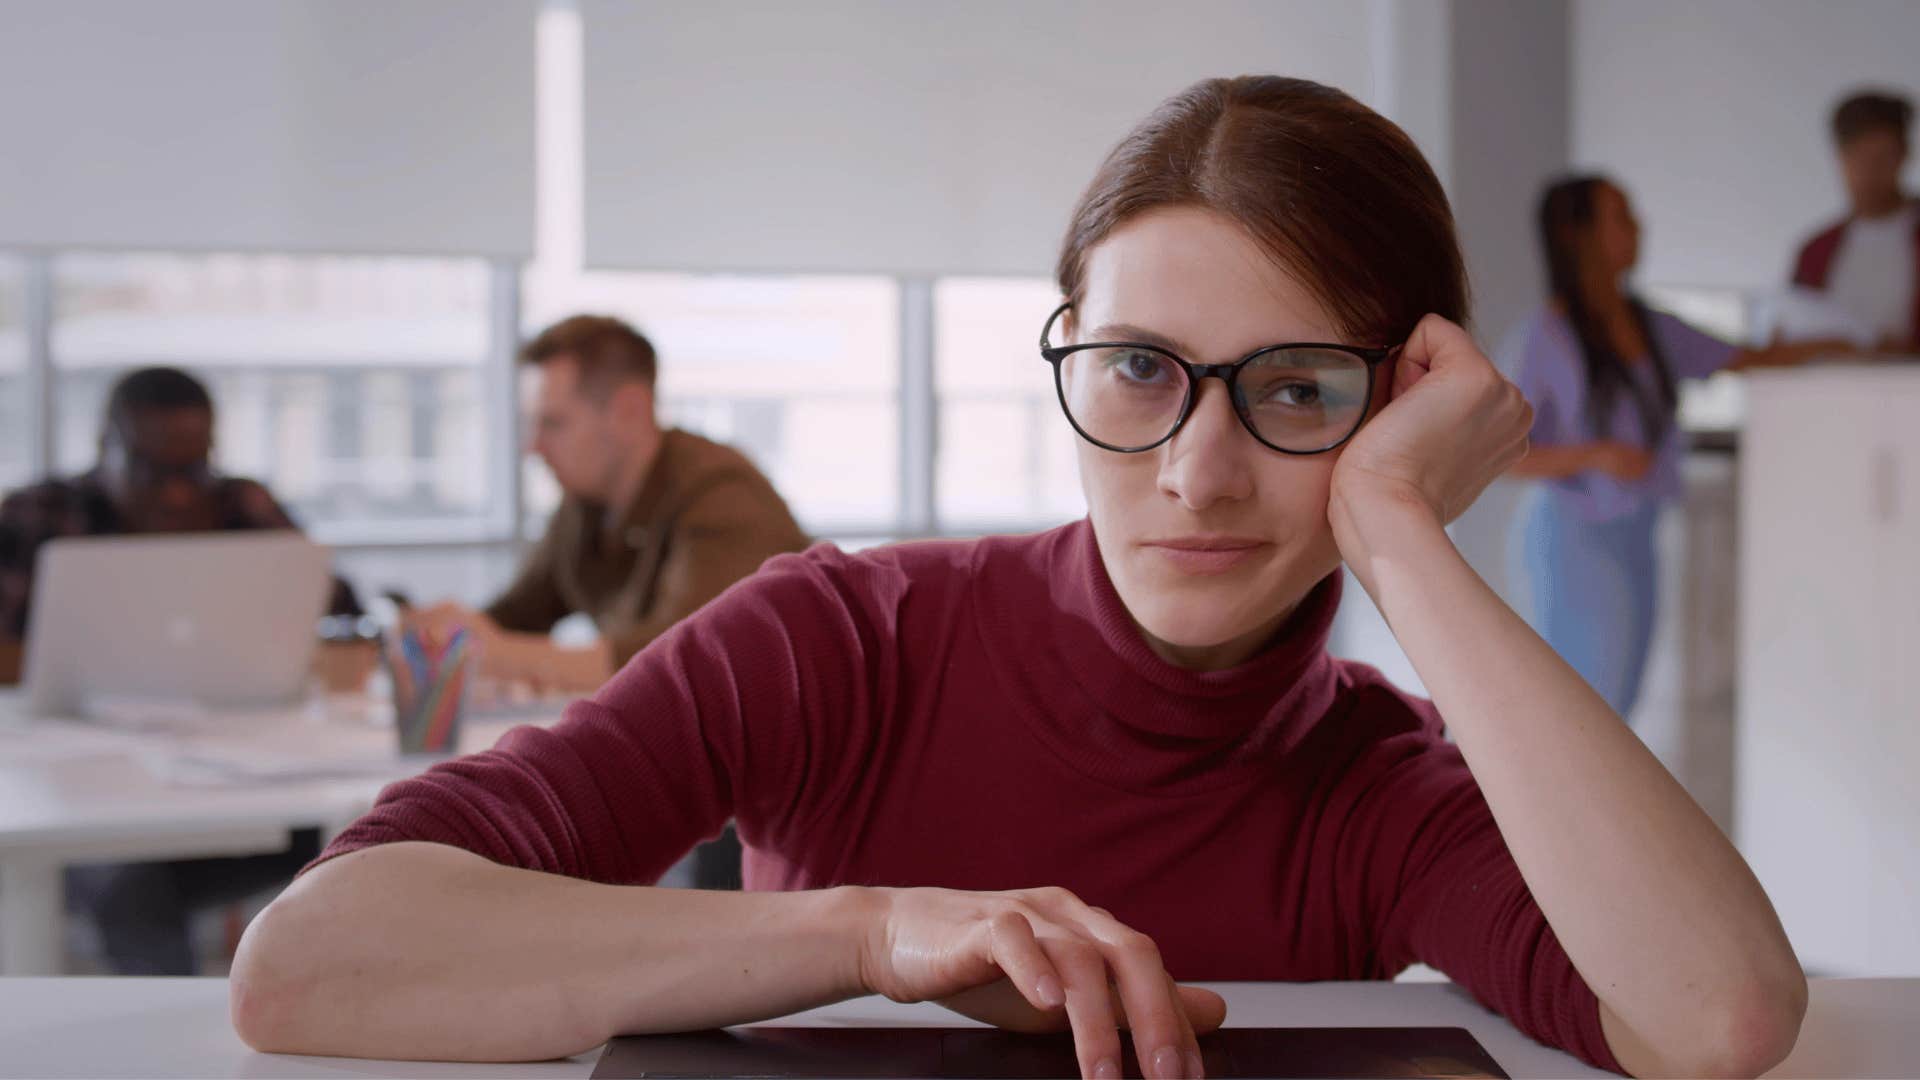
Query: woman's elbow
{"points": [[257, 1008], [1752, 1029], [267, 983]]}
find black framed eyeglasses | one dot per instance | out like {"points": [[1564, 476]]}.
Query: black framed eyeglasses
{"points": [[1130, 396]]}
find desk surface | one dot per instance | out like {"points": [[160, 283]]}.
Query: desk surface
{"points": [[153, 787], [64, 783], [178, 1027]]}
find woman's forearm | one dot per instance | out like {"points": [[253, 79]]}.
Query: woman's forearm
{"points": [[1555, 462], [1658, 912], [422, 951]]}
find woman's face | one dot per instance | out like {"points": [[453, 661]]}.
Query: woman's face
{"points": [[1616, 232], [1211, 538]]}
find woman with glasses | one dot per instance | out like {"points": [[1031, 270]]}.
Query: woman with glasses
{"points": [[1601, 370], [1039, 779]]}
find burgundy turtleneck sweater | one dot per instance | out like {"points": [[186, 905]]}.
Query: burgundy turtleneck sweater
{"points": [[984, 715]]}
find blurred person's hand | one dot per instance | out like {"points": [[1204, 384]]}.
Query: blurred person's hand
{"points": [[1623, 461], [343, 667], [437, 623], [509, 656]]}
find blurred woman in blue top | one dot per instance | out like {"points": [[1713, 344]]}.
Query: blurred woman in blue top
{"points": [[1601, 370]]}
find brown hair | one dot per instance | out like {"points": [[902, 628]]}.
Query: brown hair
{"points": [[1336, 193], [607, 350], [1863, 113]]}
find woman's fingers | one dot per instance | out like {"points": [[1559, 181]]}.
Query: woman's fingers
{"points": [[1017, 952], [1469, 426], [1189, 1042], [1436, 343], [999, 1004], [1096, 1029], [1064, 962], [1205, 1010], [1162, 1038]]}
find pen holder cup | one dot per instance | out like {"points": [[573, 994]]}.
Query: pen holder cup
{"points": [[430, 679]]}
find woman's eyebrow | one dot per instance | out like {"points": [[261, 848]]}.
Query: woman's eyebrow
{"points": [[1130, 332], [1144, 336]]}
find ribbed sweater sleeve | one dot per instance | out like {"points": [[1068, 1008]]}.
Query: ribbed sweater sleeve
{"points": [[741, 711], [1440, 888]]}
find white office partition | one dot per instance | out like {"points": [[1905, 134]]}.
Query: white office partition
{"points": [[370, 126], [912, 138]]}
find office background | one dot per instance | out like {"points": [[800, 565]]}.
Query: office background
{"points": [[836, 219]]}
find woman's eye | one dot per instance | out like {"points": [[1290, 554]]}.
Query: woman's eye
{"points": [[1140, 367], [1297, 394]]}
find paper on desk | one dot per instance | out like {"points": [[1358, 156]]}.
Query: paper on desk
{"points": [[161, 716], [240, 767], [285, 752], [42, 742], [300, 752]]}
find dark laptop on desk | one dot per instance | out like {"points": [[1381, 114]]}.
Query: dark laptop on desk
{"points": [[988, 1054]]}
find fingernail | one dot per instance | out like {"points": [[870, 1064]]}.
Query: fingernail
{"points": [[1196, 1068], [1108, 1069], [1166, 1063], [1050, 993]]}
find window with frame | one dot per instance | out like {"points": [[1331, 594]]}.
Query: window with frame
{"points": [[799, 372], [17, 422], [353, 387], [1006, 455]]}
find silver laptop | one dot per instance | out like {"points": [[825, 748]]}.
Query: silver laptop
{"points": [[204, 619]]}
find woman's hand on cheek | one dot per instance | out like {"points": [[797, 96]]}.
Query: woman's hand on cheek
{"points": [[1451, 425]]}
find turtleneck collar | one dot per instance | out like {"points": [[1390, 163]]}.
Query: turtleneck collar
{"points": [[1099, 694]]}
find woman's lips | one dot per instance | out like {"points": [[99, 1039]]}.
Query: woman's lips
{"points": [[1207, 555]]}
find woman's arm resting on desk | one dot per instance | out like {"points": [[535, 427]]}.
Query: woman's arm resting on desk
{"points": [[1658, 912], [423, 951], [480, 911]]}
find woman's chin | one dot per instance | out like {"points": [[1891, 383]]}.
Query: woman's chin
{"points": [[1179, 627], [1212, 616]]}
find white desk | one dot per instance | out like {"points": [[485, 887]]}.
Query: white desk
{"points": [[103, 1027], [74, 793]]}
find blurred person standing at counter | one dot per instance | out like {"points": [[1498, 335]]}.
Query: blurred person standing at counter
{"points": [[1868, 262], [1601, 370]]}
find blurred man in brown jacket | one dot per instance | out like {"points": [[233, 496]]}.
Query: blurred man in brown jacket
{"points": [[654, 524]]}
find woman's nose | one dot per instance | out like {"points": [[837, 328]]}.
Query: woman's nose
{"points": [[1206, 460]]}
